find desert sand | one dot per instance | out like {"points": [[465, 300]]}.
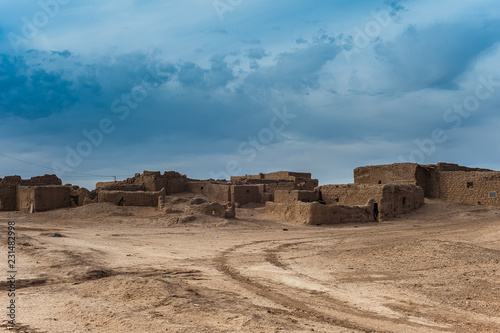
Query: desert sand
{"points": [[132, 269]]}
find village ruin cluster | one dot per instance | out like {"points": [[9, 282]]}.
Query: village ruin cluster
{"points": [[378, 193]]}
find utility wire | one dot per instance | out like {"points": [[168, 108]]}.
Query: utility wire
{"points": [[48, 168]]}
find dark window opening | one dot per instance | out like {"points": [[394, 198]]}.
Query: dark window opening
{"points": [[470, 184], [404, 201], [375, 211], [248, 191], [337, 199], [202, 188], [120, 203], [380, 182]]}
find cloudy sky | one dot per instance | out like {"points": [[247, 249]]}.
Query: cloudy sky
{"points": [[228, 87]]}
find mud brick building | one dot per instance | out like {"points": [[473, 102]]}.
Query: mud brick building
{"points": [[38, 194], [450, 182], [379, 192], [332, 204], [242, 190]]}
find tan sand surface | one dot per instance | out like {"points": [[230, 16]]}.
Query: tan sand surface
{"points": [[131, 269]]}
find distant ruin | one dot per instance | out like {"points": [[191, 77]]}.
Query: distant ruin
{"points": [[38, 194], [379, 192]]}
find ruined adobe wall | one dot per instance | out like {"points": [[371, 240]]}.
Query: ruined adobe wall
{"points": [[295, 195], [350, 194], [52, 197], [15, 195], [79, 194], [10, 180], [278, 175], [471, 187], [8, 197], [33, 181], [127, 198], [425, 176], [119, 186], [244, 194], [41, 181], [391, 200], [267, 192], [306, 184], [400, 199], [286, 175], [42, 198], [316, 213], [398, 173], [25, 198], [173, 182], [217, 192], [455, 167]]}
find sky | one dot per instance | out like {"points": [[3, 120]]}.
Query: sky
{"points": [[91, 90]]}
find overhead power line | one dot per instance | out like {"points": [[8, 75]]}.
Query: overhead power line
{"points": [[52, 169]]}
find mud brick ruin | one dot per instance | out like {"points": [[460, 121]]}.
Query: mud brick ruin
{"points": [[449, 182], [38, 194], [331, 204], [379, 192]]}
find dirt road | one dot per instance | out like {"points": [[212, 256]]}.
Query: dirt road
{"points": [[124, 269]]}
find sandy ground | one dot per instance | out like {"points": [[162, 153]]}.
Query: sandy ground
{"points": [[124, 269]]}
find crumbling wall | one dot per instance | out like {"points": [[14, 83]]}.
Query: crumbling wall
{"points": [[173, 182], [41, 198], [212, 208], [398, 173], [78, 195], [302, 178], [390, 200], [399, 199], [350, 194], [472, 187], [425, 176], [127, 198], [268, 183], [41, 181], [244, 194], [307, 184], [30, 194], [316, 213], [279, 175], [8, 197], [217, 192], [52, 197], [267, 192], [295, 195], [10, 180], [455, 167], [25, 199], [119, 186]]}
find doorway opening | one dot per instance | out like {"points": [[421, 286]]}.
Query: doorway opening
{"points": [[375, 211]]}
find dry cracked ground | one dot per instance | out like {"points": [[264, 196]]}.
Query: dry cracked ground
{"points": [[129, 269]]}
